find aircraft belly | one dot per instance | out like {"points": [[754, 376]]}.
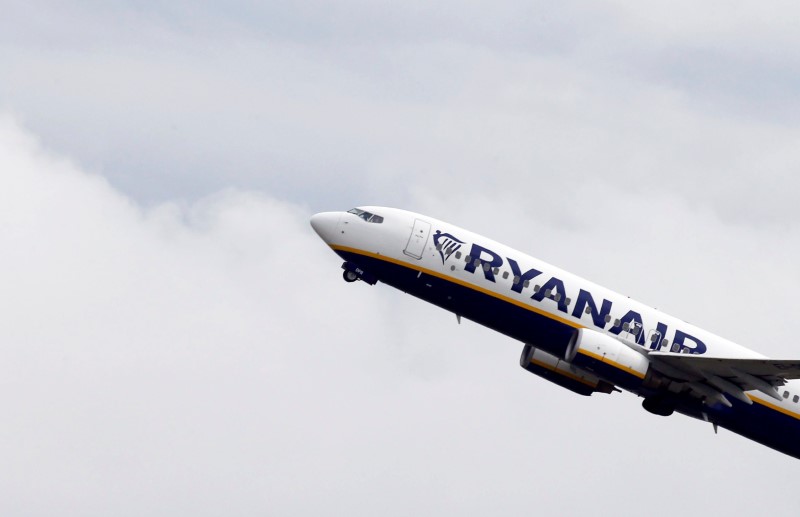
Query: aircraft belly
{"points": [[762, 424], [469, 290], [513, 321]]}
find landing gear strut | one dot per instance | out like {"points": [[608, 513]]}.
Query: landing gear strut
{"points": [[353, 272]]}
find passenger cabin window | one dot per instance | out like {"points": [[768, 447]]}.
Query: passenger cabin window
{"points": [[367, 216], [796, 398]]}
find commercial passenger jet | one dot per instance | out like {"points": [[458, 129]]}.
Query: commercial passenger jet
{"points": [[576, 334]]}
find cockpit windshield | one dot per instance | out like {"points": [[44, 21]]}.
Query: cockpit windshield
{"points": [[367, 216]]}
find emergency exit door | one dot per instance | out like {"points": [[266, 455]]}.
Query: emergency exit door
{"points": [[418, 239]]}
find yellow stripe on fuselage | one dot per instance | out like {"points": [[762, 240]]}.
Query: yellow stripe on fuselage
{"points": [[604, 359], [459, 282], [526, 307], [774, 407], [568, 375]]}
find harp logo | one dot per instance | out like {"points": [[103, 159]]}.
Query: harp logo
{"points": [[446, 244]]}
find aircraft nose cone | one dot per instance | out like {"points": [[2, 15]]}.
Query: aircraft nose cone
{"points": [[325, 223]]}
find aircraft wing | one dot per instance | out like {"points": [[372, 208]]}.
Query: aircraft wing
{"points": [[727, 375], [693, 364]]}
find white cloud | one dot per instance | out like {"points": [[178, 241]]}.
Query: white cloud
{"points": [[344, 104], [207, 359], [175, 339]]}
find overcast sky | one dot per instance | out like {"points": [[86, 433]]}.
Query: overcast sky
{"points": [[175, 339]]}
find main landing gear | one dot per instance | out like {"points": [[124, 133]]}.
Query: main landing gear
{"points": [[658, 406], [349, 276]]}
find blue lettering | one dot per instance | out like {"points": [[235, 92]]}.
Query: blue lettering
{"points": [[680, 340], [598, 316], [635, 326], [476, 259], [520, 276], [553, 290]]}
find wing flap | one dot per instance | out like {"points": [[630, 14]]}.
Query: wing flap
{"points": [[727, 367], [732, 376]]}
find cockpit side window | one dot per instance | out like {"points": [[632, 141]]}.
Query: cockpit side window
{"points": [[367, 216]]}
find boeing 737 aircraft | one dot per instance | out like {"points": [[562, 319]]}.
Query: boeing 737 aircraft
{"points": [[576, 334]]}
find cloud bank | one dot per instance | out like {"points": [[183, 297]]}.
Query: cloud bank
{"points": [[206, 358], [175, 339], [335, 105]]}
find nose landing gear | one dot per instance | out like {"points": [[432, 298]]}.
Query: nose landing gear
{"points": [[352, 273]]}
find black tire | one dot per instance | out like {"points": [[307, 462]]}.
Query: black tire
{"points": [[349, 276]]}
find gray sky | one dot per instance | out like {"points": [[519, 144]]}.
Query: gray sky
{"points": [[176, 340]]}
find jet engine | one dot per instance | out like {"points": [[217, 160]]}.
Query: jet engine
{"points": [[560, 372], [608, 358]]}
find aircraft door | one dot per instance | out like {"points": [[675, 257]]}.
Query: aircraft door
{"points": [[418, 239], [654, 340]]}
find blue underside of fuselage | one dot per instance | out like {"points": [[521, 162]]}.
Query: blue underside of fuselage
{"points": [[756, 422]]}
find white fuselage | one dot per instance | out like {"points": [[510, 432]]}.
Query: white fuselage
{"points": [[444, 252]]}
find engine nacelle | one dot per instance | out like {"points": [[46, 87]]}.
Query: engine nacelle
{"points": [[561, 372], [608, 358]]}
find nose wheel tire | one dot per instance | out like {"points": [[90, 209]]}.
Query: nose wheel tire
{"points": [[349, 276]]}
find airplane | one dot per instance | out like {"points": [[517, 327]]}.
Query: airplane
{"points": [[576, 334]]}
